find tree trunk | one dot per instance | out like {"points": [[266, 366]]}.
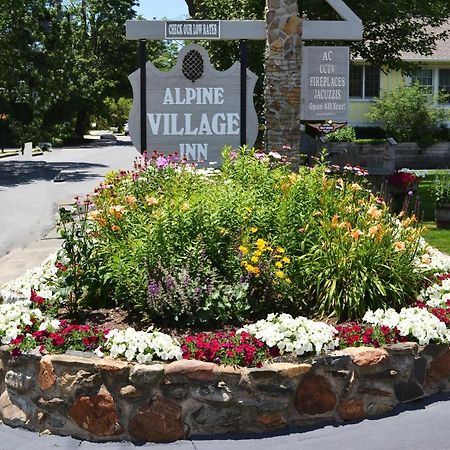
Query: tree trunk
{"points": [[82, 123], [194, 7]]}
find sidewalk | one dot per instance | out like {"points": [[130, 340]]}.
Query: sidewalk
{"points": [[20, 260]]}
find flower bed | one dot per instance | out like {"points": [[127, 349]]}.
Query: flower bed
{"points": [[131, 393], [271, 370]]}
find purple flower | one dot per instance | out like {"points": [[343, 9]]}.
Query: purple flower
{"points": [[154, 288], [259, 156], [162, 162]]}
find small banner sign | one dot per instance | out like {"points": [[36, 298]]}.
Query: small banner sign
{"points": [[325, 81], [192, 29], [193, 109], [327, 127]]}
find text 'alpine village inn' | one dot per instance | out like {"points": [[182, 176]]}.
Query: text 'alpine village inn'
{"points": [[174, 124]]}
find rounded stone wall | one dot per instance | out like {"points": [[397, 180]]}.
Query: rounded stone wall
{"points": [[102, 399]]}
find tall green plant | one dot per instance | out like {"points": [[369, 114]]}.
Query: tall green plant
{"points": [[408, 113]]}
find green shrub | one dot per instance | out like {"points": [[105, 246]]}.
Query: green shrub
{"points": [[345, 134], [408, 114], [206, 247], [441, 189]]}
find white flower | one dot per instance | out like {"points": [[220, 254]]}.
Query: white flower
{"points": [[142, 346], [295, 336], [415, 322]]}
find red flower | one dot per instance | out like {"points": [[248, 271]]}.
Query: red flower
{"points": [[36, 298]]}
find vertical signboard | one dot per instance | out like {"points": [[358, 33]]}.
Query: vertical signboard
{"points": [[193, 109], [325, 92]]}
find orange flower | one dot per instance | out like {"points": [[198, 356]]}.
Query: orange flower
{"points": [[399, 246], [356, 234], [374, 212], [151, 201], [115, 228], [334, 221], [374, 230], [130, 199], [117, 211]]}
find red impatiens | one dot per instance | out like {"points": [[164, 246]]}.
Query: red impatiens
{"points": [[354, 334], [239, 349]]}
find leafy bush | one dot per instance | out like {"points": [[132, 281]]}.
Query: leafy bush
{"points": [[345, 134], [441, 189], [201, 247], [408, 114]]}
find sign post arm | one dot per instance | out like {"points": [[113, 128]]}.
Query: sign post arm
{"points": [[143, 92], [244, 63]]}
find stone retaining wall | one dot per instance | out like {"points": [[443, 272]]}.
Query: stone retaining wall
{"points": [[387, 157], [103, 399]]}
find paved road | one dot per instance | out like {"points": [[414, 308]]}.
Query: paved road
{"points": [[29, 196], [420, 426]]}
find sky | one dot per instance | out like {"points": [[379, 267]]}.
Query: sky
{"points": [[158, 9]]}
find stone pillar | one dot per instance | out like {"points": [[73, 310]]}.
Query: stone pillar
{"points": [[283, 64]]}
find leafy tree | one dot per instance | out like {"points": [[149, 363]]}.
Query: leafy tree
{"points": [[62, 61], [390, 26], [408, 113]]}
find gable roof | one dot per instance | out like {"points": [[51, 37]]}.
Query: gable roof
{"points": [[440, 54]]}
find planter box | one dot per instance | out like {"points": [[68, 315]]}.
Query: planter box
{"points": [[442, 215]]}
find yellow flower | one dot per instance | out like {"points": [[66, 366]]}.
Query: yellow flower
{"points": [[425, 259], [355, 187], [279, 274], [249, 210], [252, 269], [356, 234], [261, 244], [243, 250], [257, 253], [280, 250], [222, 231], [399, 246], [374, 212], [253, 229], [254, 259], [278, 264], [286, 260], [185, 206], [151, 201], [117, 211]]}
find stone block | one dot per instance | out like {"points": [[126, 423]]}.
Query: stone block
{"points": [[19, 381], [315, 396], [438, 369], [407, 391], [97, 414], [352, 409], [146, 375], [191, 370], [365, 356], [159, 421], [271, 421], [289, 370], [10, 412], [46, 376]]}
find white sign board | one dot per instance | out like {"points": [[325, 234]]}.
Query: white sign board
{"points": [[192, 29], [324, 85], [193, 109]]}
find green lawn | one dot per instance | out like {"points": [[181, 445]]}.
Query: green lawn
{"points": [[436, 237]]}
